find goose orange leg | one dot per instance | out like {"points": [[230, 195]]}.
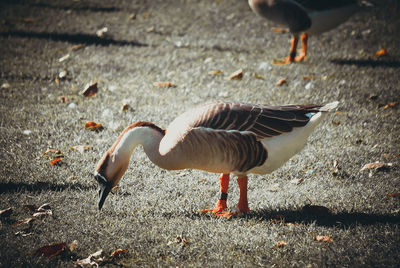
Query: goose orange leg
{"points": [[221, 205], [302, 56]]}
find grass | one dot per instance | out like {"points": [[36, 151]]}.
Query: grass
{"points": [[152, 206]]}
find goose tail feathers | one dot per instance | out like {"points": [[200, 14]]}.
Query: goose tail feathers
{"points": [[329, 107]]}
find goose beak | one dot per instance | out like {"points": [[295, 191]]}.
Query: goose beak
{"points": [[104, 188]]}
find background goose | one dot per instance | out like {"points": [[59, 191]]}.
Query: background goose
{"points": [[304, 16], [222, 137]]}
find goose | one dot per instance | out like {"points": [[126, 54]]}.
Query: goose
{"points": [[221, 137], [305, 17]]}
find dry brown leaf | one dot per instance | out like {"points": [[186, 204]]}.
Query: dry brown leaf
{"points": [[63, 99], [125, 107], [308, 77], [280, 30], [81, 148], [93, 126], [381, 52], [29, 20], [73, 245], [118, 252], [257, 76], [282, 82], [51, 250], [44, 207], [281, 244], [5, 212], [93, 259], [217, 72], [391, 105], [393, 195], [146, 15], [164, 84], [238, 75], [376, 166], [390, 156], [90, 89], [77, 47], [42, 214], [323, 238], [24, 221]]}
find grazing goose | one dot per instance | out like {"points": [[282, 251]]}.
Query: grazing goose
{"points": [[222, 137], [304, 16]]}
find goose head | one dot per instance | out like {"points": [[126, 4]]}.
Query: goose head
{"points": [[109, 172]]}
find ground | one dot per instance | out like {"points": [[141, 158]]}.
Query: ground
{"points": [[195, 45]]}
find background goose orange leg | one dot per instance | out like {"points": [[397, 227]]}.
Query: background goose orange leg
{"points": [[292, 56], [221, 203], [302, 56]]}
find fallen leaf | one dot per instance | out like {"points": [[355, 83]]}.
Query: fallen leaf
{"points": [[217, 72], [308, 77], [5, 85], [24, 221], [29, 20], [81, 148], [44, 207], [73, 245], [376, 166], [132, 16], [179, 240], [93, 126], [238, 75], [93, 259], [23, 233], [62, 74], [90, 89], [55, 161], [118, 252], [282, 82], [391, 105], [5, 212], [335, 122], [77, 47], [393, 195], [257, 76], [42, 213], [63, 58], [323, 238], [63, 99], [50, 150], [319, 210], [51, 250], [335, 168], [146, 15], [101, 33], [125, 107], [164, 84], [281, 244], [390, 156], [373, 96], [280, 30], [381, 52], [296, 181]]}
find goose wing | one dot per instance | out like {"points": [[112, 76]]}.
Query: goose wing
{"points": [[263, 121]]}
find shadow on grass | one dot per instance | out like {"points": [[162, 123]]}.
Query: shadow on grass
{"points": [[342, 219], [368, 62], [87, 39], [74, 5], [11, 187]]}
